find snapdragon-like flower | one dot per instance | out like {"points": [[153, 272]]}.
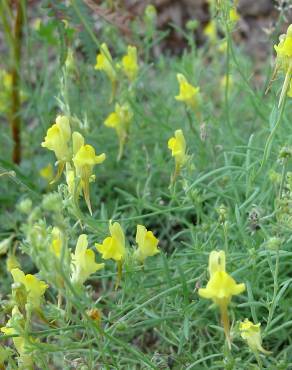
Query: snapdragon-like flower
{"points": [[113, 247], [210, 31], [84, 161], [177, 145], [284, 61], [221, 287], [147, 244], [83, 261], [130, 63], [57, 139], [251, 333], [233, 15], [188, 93], [120, 120], [15, 326], [35, 288], [104, 62], [284, 49]]}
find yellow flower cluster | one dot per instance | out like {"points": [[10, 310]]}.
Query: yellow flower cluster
{"points": [[128, 65], [221, 287], [114, 247], [122, 116], [70, 149]]}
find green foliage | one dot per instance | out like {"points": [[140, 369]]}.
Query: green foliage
{"points": [[234, 194]]}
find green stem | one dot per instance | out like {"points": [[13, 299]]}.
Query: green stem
{"points": [[259, 361], [226, 92], [119, 274], [276, 285], [283, 177], [190, 121], [269, 141], [225, 229]]}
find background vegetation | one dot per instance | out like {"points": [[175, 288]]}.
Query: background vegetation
{"points": [[231, 195]]}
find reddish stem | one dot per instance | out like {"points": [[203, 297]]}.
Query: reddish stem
{"points": [[15, 94]]}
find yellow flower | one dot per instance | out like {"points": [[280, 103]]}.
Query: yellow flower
{"points": [[84, 161], [77, 141], [251, 333], [188, 93], [56, 245], [233, 15], [284, 48], [104, 62], [19, 342], [83, 261], [57, 138], [130, 64], [284, 61], [34, 287], [210, 31], [147, 244], [113, 247], [47, 173], [120, 120], [221, 287], [177, 145]]}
